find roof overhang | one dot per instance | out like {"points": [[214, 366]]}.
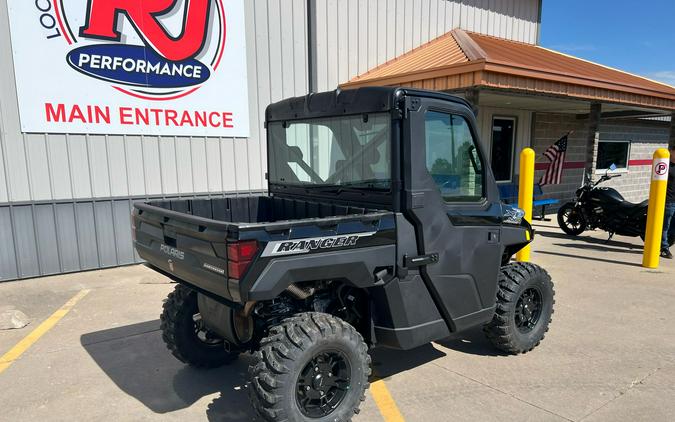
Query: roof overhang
{"points": [[462, 59]]}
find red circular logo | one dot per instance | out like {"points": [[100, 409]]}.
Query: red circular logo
{"points": [[661, 169]]}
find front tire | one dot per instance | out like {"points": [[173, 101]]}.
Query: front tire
{"points": [[524, 307], [312, 366], [570, 220], [186, 337]]}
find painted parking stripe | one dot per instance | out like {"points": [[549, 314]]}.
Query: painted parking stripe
{"points": [[15, 352], [385, 402]]}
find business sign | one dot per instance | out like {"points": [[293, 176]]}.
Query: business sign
{"points": [[160, 67]]}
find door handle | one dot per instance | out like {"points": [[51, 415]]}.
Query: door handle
{"points": [[418, 261]]}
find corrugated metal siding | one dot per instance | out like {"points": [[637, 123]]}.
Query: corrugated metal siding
{"points": [[354, 36], [39, 167], [84, 185], [65, 199]]}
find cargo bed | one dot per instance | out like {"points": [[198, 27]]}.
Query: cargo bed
{"points": [[189, 238]]}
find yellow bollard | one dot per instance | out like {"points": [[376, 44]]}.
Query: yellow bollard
{"points": [[525, 194], [657, 204]]}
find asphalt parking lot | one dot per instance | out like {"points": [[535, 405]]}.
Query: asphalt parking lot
{"points": [[610, 353]]}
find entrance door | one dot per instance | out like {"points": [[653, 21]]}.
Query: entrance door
{"points": [[455, 208], [503, 143]]}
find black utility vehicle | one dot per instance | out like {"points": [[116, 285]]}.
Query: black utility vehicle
{"points": [[382, 227]]}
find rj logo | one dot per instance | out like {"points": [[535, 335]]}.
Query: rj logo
{"points": [[102, 16]]}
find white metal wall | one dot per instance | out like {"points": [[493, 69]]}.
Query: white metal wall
{"points": [[51, 167], [65, 199], [354, 36]]}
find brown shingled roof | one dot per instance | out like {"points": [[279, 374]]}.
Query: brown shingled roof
{"points": [[460, 59]]}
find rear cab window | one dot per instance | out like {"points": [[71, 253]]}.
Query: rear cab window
{"points": [[452, 157]]}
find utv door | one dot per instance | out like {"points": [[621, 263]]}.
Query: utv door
{"points": [[453, 202]]}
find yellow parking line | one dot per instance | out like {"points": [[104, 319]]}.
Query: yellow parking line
{"points": [[15, 352], [385, 402]]}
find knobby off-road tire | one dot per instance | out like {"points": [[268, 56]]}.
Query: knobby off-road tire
{"points": [[184, 336], [301, 358], [525, 300], [570, 221]]}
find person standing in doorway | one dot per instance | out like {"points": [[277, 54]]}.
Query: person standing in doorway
{"points": [[669, 217]]}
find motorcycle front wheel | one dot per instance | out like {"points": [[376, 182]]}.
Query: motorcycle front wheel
{"points": [[570, 220]]}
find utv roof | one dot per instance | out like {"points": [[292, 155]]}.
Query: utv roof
{"points": [[349, 101]]}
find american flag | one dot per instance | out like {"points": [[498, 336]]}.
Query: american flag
{"points": [[556, 154]]}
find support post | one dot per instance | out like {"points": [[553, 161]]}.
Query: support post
{"points": [[593, 136], [526, 194], [671, 138], [655, 212]]}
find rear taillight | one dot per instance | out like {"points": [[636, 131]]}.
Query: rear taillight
{"points": [[239, 256]]}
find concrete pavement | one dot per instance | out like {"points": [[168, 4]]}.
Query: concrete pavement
{"points": [[610, 353]]}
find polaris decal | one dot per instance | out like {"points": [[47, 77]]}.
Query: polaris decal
{"points": [[299, 246], [176, 253]]}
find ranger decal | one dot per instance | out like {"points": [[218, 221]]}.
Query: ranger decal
{"points": [[298, 246]]}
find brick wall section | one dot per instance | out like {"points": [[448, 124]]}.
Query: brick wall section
{"points": [[646, 136], [548, 128]]}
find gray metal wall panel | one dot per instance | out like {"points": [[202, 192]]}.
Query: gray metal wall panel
{"points": [[122, 224], [85, 228], [8, 270], [66, 234], [105, 234], [24, 241], [47, 244], [375, 31]]}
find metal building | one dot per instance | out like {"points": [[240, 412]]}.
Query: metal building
{"points": [[65, 198]]}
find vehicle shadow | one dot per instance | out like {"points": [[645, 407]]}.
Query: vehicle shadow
{"points": [[588, 239], [472, 342], [135, 359], [589, 258]]}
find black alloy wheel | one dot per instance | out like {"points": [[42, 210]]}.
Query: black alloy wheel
{"points": [[323, 384], [528, 309], [570, 219]]}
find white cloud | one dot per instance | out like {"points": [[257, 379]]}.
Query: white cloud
{"points": [[665, 76]]}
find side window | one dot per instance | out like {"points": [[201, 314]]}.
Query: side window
{"points": [[452, 158]]}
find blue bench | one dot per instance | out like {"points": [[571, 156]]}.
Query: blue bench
{"points": [[508, 192]]}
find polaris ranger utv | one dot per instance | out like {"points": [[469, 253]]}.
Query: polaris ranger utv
{"points": [[382, 227]]}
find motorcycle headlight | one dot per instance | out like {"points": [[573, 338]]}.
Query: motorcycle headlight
{"points": [[512, 215]]}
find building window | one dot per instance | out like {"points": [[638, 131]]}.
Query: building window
{"points": [[452, 157], [613, 152], [503, 142]]}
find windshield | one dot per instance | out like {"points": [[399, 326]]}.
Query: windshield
{"points": [[342, 152]]}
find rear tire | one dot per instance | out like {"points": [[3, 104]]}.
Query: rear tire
{"points": [[306, 361], [524, 308], [185, 336], [570, 221]]}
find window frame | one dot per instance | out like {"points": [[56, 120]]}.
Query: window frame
{"points": [[513, 144], [618, 169], [483, 199]]}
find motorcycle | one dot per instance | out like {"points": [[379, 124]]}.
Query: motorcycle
{"points": [[604, 208]]}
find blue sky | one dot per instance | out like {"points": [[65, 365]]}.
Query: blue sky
{"points": [[639, 38]]}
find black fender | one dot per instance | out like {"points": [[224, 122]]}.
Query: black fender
{"points": [[356, 266], [514, 238]]}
